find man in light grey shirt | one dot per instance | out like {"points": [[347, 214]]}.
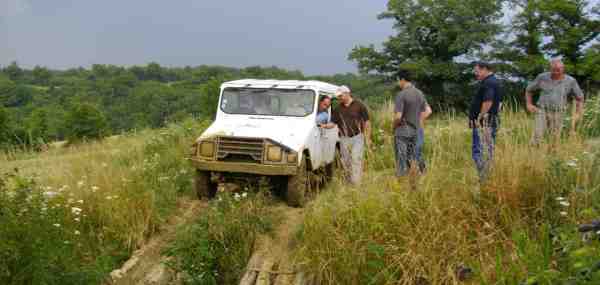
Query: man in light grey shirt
{"points": [[410, 103], [551, 107]]}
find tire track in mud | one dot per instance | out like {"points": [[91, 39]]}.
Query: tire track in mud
{"points": [[147, 264], [271, 262]]}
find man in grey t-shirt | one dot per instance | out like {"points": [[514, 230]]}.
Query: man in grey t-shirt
{"points": [[409, 104], [554, 88]]}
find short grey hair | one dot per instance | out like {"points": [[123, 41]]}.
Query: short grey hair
{"points": [[342, 90]]}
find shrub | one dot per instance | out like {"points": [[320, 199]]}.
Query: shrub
{"points": [[85, 121], [216, 248]]}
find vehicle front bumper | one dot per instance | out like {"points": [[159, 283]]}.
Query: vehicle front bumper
{"points": [[243, 167]]}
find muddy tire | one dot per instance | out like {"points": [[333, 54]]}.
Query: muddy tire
{"points": [[205, 189], [297, 187]]}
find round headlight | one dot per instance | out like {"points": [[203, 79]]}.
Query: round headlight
{"points": [[274, 153]]}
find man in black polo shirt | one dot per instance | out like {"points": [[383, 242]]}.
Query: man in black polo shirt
{"points": [[483, 118], [352, 118]]}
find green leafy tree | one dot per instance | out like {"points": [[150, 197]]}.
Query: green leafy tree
{"points": [[85, 121], [210, 97], [7, 90], [41, 75], [590, 67], [571, 26], [432, 37], [522, 56], [154, 72], [4, 127], [38, 127], [13, 71]]}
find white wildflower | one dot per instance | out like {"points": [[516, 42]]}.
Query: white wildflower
{"points": [[563, 213], [560, 199], [244, 195], [66, 242], [94, 189], [76, 211], [183, 171], [565, 203], [80, 201], [80, 183], [56, 225], [572, 163], [50, 194], [77, 232], [109, 197], [76, 219]]}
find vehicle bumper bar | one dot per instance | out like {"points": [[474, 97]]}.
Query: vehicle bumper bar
{"points": [[241, 167]]}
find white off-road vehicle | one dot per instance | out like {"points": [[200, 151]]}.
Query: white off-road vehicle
{"points": [[266, 128]]}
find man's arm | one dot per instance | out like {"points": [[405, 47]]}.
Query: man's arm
{"points": [[396, 119], [529, 95], [485, 107], [425, 114], [578, 102], [329, 125], [530, 107]]}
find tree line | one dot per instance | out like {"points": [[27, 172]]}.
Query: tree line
{"points": [[41, 105], [435, 39], [438, 39]]}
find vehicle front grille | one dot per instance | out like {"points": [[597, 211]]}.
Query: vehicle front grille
{"points": [[240, 149]]}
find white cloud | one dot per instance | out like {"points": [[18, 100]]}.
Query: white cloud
{"points": [[11, 8]]}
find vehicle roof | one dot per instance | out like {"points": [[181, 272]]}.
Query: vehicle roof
{"points": [[262, 83]]}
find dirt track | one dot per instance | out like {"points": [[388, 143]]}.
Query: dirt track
{"points": [[146, 266], [271, 262]]}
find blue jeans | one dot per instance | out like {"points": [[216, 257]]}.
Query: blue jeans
{"points": [[484, 139], [419, 149], [405, 141]]}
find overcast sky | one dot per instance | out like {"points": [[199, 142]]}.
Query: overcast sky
{"points": [[310, 35]]}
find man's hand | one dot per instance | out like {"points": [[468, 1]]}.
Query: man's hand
{"points": [[532, 108]]}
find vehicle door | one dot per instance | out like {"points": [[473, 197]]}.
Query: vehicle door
{"points": [[328, 140]]}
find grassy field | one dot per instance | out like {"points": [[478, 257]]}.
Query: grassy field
{"points": [[520, 226], [71, 215]]}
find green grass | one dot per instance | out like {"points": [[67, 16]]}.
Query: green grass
{"points": [[71, 215], [509, 230], [215, 248]]}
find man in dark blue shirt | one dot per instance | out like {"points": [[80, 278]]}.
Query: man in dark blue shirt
{"points": [[484, 119]]}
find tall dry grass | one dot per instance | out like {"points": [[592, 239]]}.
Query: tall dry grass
{"points": [[88, 206], [384, 233]]}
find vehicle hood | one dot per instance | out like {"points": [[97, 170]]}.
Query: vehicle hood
{"points": [[290, 133]]}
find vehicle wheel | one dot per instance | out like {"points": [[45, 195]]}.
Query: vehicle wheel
{"points": [[205, 189], [297, 186]]}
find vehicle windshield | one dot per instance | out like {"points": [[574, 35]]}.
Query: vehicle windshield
{"points": [[268, 102]]}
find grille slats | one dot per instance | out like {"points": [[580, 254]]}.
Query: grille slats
{"points": [[235, 147]]}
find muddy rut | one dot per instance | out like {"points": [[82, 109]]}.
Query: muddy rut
{"points": [[147, 264], [271, 262]]}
